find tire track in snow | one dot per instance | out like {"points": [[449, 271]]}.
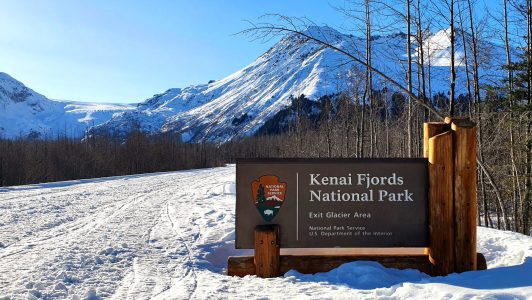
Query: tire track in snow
{"points": [[184, 278], [86, 225], [73, 253], [71, 227], [140, 281], [40, 234], [189, 252], [33, 248]]}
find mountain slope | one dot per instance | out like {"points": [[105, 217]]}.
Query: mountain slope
{"points": [[241, 103], [25, 113], [238, 105]]}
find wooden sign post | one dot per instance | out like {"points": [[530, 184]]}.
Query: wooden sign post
{"points": [[267, 251], [355, 189], [451, 149]]}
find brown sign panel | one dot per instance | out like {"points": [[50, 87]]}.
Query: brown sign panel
{"points": [[324, 203]]}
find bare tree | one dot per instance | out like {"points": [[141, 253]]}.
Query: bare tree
{"points": [[453, 71], [409, 78]]}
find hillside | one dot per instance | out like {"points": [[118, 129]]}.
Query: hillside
{"points": [[239, 104], [169, 235], [26, 113]]}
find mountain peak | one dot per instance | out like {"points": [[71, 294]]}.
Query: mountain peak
{"points": [[9, 83], [316, 31], [241, 103], [14, 91], [323, 33], [5, 76], [24, 112]]}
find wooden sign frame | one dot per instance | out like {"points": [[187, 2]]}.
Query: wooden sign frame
{"points": [[450, 147]]}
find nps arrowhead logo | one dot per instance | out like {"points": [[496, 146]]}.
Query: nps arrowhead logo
{"points": [[268, 195]]}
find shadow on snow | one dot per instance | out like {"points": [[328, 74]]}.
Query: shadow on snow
{"points": [[370, 275]]}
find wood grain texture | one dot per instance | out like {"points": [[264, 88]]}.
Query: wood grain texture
{"points": [[465, 195], [267, 251], [431, 129], [311, 264], [441, 208]]}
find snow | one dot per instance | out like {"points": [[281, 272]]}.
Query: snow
{"points": [[494, 246], [205, 112], [437, 49], [168, 236], [24, 112], [290, 68]]}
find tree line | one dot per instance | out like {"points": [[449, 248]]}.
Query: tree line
{"points": [[25, 161]]}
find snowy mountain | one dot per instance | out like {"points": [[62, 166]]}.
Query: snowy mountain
{"points": [[169, 235], [25, 113], [238, 105]]}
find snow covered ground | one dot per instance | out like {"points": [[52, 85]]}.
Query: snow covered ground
{"points": [[168, 235]]}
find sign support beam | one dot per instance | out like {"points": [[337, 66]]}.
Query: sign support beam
{"points": [[441, 223], [267, 251]]}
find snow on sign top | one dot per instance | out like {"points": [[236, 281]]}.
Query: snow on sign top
{"points": [[323, 203]]}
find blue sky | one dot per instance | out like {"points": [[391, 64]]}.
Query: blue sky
{"points": [[126, 51]]}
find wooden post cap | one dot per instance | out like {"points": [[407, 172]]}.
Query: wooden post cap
{"points": [[460, 121]]}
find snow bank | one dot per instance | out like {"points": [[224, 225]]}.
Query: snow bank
{"points": [[503, 248], [364, 275]]}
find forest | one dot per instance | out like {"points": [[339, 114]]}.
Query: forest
{"points": [[368, 121]]}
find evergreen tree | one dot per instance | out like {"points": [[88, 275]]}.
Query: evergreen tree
{"points": [[261, 198]]}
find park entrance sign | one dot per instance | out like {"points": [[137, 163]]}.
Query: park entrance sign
{"points": [[325, 203], [428, 202]]}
